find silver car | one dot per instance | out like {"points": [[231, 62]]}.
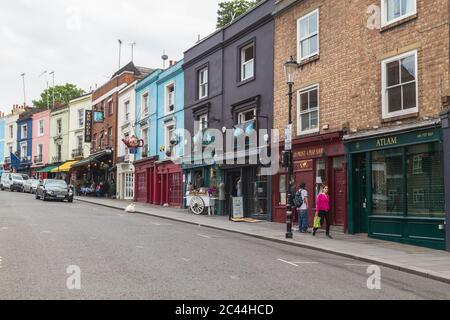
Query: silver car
{"points": [[30, 185]]}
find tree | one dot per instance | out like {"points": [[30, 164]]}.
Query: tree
{"points": [[230, 10], [63, 94]]}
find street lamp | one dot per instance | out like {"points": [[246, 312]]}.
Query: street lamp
{"points": [[290, 68]]}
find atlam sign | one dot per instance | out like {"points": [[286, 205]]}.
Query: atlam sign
{"points": [[384, 142]]}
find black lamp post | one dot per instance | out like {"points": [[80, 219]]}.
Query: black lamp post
{"points": [[290, 68]]}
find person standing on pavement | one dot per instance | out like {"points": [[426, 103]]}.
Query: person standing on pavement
{"points": [[302, 205], [323, 210]]}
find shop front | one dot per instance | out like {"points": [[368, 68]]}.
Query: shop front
{"points": [[318, 160], [145, 181], [396, 185], [125, 180], [170, 181]]}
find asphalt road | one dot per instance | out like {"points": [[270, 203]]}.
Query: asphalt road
{"points": [[131, 256]]}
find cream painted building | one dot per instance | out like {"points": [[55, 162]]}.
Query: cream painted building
{"points": [[59, 135], [77, 147], [125, 128]]}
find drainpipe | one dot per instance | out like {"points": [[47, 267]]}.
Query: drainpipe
{"points": [[445, 117]]}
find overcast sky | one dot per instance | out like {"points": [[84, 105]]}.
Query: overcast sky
{"points": [[78, 39]]}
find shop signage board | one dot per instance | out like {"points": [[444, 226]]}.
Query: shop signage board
{"points": [[303, 165], [88, 127], [393, 141], [238, 207], [309, 153]]}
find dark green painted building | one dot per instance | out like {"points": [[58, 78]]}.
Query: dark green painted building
{"points": [[396, 184]]}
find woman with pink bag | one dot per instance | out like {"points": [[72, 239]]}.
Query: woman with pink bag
{"points": [[323, 210]]}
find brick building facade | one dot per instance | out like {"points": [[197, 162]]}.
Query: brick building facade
{"points": [[371, 76]]}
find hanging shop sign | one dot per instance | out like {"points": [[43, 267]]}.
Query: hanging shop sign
{"points": [[99, 116], [133, 144], [88, 127], [304, 165]]}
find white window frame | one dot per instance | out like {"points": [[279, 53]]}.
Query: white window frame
{"points": [[241, 114], [417, 165], [23, 146], [167, 97], [384, 97], [384, 13], [24, 128], [80, 118], [244, 64], [419, 194], [301, 132], [203, 85], [145, 106], [40, 128], [40, 150], [310, 35], [203, 119], [144, 137], [167, 134], [127, 110], [58, 122]]}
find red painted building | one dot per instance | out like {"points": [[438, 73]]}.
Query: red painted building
{"points": [[318, 160]]}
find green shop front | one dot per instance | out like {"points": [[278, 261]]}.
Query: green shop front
{"points": [[396, 186]]}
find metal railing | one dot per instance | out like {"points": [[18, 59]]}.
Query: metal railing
{"points": [[77, 153]]}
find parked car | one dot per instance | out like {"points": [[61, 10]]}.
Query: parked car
{"points": [[12, 182], [30, 185], [51, 189]]}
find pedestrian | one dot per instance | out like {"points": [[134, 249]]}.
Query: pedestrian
{"points": [[302, 205], [323, 210]]}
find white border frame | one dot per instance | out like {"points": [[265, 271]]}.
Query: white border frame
{"points": [[299, 122], [299, 49], [200, 97], [384, 105], [385, 23], [166, 98]]}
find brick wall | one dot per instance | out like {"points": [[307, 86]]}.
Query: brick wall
{"points": [[349, 68], [110, 120]]}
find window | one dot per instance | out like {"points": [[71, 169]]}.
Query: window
{"points": [[170, 98], [11, 132], [24, 131], [102, 108], [145, 105], [102, 140], [23, 153], [203, 83], [39, 153], [203, 122], [248, 62], [246, 116], [10, 149], [425, 180], [59, 126], [80, 118], [79, 142], [308, 110], [395, 10], [110, 137], [41, 128], [400, 85], [127, 111], [145, 149], [170, 130], [387, 182], [110, 107], [94, 142], [58, 152], [308, 35]]}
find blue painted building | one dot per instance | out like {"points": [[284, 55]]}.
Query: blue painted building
{"points": [[2, 143], [24, 141], [160, 123]]}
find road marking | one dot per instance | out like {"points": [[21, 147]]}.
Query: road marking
{"points": [[140, 247], [46, 232], [0, 262], [5, 228], [356, 265], [185, 260], [92, 238], [203, 236], [296, 264], [155, 224], [234, 278]]}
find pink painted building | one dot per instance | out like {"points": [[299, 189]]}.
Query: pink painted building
{"points": [[40, 143]]}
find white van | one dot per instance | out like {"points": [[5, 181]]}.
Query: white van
{"points": [[11, 181]]}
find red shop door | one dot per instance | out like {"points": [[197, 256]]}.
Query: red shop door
{"points": [[141, 187], [339, 196], [175, 189]]}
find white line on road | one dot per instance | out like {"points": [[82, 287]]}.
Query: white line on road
{"points": [[155, 224], [185, 260], [4, 228], [140, 247], [203, 236], [296, 264], [356, 265], [45, 232], [92, 238]]}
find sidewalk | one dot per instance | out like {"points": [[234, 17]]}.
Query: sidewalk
{"points": [[425, 262]]}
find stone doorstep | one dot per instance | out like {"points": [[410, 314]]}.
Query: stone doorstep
{"points": [[442, 277]]}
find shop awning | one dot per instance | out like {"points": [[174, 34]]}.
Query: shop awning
{"points": [[92, 158], [47, 169], [65, 167]]}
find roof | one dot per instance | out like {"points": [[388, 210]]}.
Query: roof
{"points": [[139, 72]]}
